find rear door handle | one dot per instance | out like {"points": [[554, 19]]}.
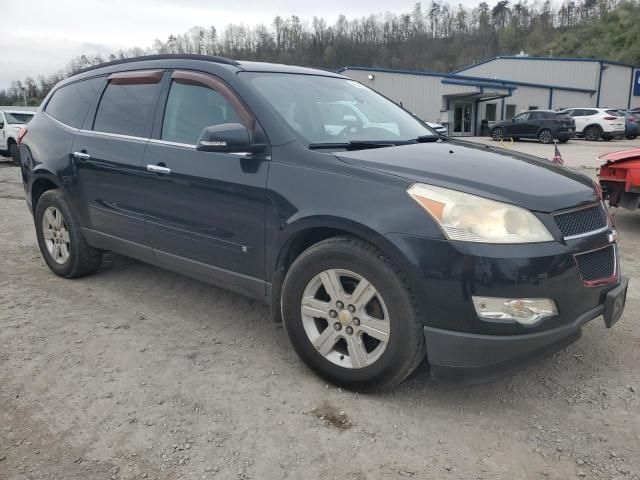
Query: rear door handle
{"points": [[158, 169], [81, 155]]}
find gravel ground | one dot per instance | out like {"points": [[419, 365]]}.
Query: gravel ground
{"points": [[136, 372]]}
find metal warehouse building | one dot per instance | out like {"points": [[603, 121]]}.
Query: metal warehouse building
{"points": [[468, 99]]}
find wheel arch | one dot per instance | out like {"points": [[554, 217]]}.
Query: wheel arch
{"points": [[41, 183], [306, 232]]}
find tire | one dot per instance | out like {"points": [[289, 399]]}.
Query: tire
{"points": [[72, 258], [592, 133], [14, 153], [545, 136], [632, 137], [497, 134], [379, 364]]}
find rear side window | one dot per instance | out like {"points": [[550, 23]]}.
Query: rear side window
{"points": [[71, 103], [125, 108], [615, 113], [190, 109]]}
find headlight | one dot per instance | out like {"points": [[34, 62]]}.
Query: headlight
{"points": [[470, 218]]}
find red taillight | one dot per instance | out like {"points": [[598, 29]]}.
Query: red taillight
{"points": [[634, 120], [611, 118], [21, 134]]}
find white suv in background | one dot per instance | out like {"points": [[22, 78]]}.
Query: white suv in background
{"points": [[11, 121], [596, 123]]}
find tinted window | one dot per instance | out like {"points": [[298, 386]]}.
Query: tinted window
{"points": [[523, 117], [191, 108], [587, 113], [71, 103], [536, 116], [124, 109]]}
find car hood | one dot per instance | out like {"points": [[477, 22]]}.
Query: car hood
{"points": [[491, 172]]}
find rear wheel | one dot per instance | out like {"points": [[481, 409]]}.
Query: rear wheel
{"points": [[592, 133], [61, 242], [350, 315], [545, 136], [497, 134], [631, 137]]}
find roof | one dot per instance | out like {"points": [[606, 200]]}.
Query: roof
{"points": [[554, 59], [240, 65], [488, 82]]}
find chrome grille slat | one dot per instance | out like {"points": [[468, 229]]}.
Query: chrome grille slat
{"points": [[582, 221]]}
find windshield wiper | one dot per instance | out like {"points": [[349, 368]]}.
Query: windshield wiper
{"points": [[431, 138], [352, 145]]}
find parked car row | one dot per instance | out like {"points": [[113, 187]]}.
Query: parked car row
{"points": [[561, 125]]}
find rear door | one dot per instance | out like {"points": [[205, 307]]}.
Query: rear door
{"points": [[519, 125], [206, 213], [108, 155]]}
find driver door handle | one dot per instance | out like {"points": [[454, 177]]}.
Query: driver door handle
{"points": [[81, 155], [158, 169]]}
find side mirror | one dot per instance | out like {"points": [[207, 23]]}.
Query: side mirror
{"points": [[228, 138]]}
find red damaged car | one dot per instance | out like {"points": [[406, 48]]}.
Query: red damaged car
{"points": [[620, 178]]}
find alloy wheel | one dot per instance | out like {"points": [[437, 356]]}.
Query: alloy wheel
{"points": [[56, 235], [498, 134], [545, 136], [592, 134], [345, 318]]}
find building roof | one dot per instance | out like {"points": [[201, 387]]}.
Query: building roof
{"points": [[449, 77], [554, 59]]}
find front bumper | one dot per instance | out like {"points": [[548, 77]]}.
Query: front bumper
{"points": [[445, 275], [460, 356]]}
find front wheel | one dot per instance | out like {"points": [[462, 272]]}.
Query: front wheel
{"points": [[545, 136], [60, 239], [351, 316], [497, 134]]}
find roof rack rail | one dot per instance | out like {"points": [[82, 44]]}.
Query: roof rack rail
{"points": [[183, 56]]}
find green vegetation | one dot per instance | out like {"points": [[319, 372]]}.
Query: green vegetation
{"points": [[440, 38]]}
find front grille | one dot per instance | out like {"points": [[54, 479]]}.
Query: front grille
{"points": [[598, 264], [581, 221]]}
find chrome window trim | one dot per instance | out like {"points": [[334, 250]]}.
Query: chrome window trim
{"points": [[173, 144], [114, 135]]}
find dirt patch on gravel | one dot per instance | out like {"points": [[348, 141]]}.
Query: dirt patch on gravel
{"points": [[332, 416]]}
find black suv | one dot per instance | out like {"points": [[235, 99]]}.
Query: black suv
{"points": [[545, 125], [375, 244]]}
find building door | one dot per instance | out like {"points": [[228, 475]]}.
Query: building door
{"points": [[462, 119]]}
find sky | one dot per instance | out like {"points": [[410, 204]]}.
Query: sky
{"points": [[55, 31]]}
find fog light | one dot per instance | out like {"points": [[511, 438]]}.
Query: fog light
{"points": [[526, 311]]}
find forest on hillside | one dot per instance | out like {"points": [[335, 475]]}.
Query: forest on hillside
{"points": [[438, 37]]}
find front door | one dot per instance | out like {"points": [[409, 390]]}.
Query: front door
{"points": [[205, 210], [462, 119]]}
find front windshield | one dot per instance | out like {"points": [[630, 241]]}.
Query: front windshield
{"points": [[336, 110], [15, 118]]}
